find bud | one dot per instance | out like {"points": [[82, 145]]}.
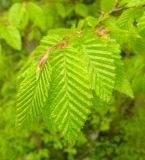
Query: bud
{"points": [[42, 61]]}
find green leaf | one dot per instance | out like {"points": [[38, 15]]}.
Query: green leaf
{"points": [[141, 25], [100, 64], [105, 124], [122, 84], [70, 94], [81, 9], [60, 9], [117, 33], [33, 92], [18, 15], [107, 6], [126, 88], [133, 3], [12, 36], [135, 72], [135, 42], [100, 106], [126, 19], [92, 22], [36, 15], [69, 9], [84, 67], [14, 14], [123, 3]]}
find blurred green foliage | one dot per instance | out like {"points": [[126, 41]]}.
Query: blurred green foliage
{"points": [[112, 132]]}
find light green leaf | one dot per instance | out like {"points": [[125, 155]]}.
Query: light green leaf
{"points": [[105, 124], [18, 15], [86, 69], [60, 9], [122, 84], [107, 6], [123, 3], [100, 64], [70, 94], [92, 22], [135, 42], [133, 3], [33, 93], [81, 9], [141, 25], [14, 14], [12, 36], [126, 19], [36, 15], [126, 88]]}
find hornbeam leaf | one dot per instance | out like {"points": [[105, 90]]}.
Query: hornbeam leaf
{"points": [[126, 19], [12, 36], [33, 92], [83, 65], [70, 96], [18, 15], [110, 5], [122, 84], [14, 14], [136, 3], [141, 25], [101, 66], [36, 15], [81, 9]]}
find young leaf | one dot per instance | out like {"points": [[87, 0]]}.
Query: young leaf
{"points": [[133, 3], [14, 14], [107, 6], [12, 36], [141, 25], [82, 64], [126, 19], [61, 9], [36, 15], [81, 9], [101, 66], [33, 92], [121, 80], [70, 94], [92, 22], [122, 84], [18, 15]]}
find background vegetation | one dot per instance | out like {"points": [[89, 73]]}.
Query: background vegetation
{"points": [[111, 132]]}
